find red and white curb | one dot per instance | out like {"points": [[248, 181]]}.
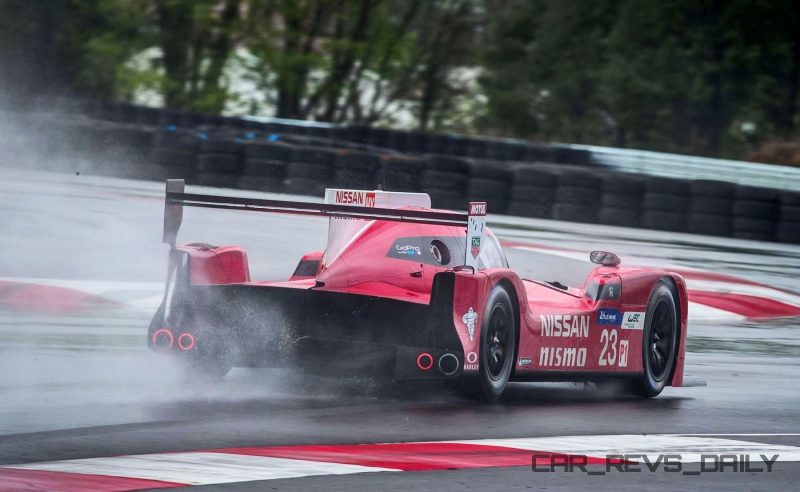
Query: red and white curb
{"points": [[221, 466], [712, 296]]}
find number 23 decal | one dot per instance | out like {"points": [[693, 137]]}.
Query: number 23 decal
{"points": [[614, 350]]}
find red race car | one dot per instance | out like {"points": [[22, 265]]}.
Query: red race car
{"points": [[408, 292]]}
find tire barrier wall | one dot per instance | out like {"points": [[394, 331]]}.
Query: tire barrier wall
{"points": [[529, 180]]}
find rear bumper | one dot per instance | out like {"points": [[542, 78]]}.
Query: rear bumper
{"points": [[318, 331], [398, 362]]}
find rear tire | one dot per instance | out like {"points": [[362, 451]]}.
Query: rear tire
{"points": [[659, 341], [498, 344]]}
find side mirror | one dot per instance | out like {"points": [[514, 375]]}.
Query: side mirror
{"points": [[604, 258]]}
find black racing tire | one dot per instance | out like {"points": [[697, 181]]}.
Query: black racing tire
{"points": [[173, 158], [663, 221], [268, 150], [709, 224], [755, 209], [351, 178], [571, 177], [751, 228], [221, 146], [712, 188], [486, 187], [491, 170], [532, 194], [790, 198], [710, 205], [446, 181], [540, 176], [447, 200], [529, 209], [219, 163], [218, 180], [756, 193], [624, 217], [664, 202], [623, 184], [308, 170], [788, 232], [573, 212], [498, 348], [659, 341], [573, 195], [789, 213], [267, 168], [301, 186], [177, 140], [621, 200], [447, 164], [667, 186], [260, 183]]}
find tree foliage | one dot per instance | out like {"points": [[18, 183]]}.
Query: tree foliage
{"points": [[701, 76]]}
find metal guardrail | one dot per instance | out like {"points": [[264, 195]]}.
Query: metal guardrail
{"points": [[692, 167]]}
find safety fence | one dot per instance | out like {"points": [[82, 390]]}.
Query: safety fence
{"points": [[514, 177]]}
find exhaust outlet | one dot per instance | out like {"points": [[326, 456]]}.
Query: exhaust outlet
{"points": [[162, 339], [424, 361], [186, 341], [448, 364]]}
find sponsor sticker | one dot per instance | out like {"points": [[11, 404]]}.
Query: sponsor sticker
{"points": [[408, 249], [470, 318], [608, 316], [524, 361], [562, 357], [564, 325], [476, 246], [477, 208], [471, 362], [348, 197], [633, 320], [623, 353]]}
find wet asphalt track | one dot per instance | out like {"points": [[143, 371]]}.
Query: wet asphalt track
{"points": [[82, 384]]}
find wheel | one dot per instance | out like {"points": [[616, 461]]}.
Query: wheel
{"points": [[498, 344], [659, 341]]}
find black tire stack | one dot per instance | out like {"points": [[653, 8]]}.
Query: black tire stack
{"points": [[445, 180], [710, 207], [755, 211], [788, 227], [309, 170], [355, 169], [400, 173], [220, 162], [490, 181], [265, 166], [621, 200], [664, 204], [577, 197], [173, 155], [533, 190], [121, 149]]}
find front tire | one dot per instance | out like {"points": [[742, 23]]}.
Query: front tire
{"points": [[659, 341]]}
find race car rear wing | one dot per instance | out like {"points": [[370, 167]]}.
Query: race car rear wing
{"points": [[176, 199]]}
